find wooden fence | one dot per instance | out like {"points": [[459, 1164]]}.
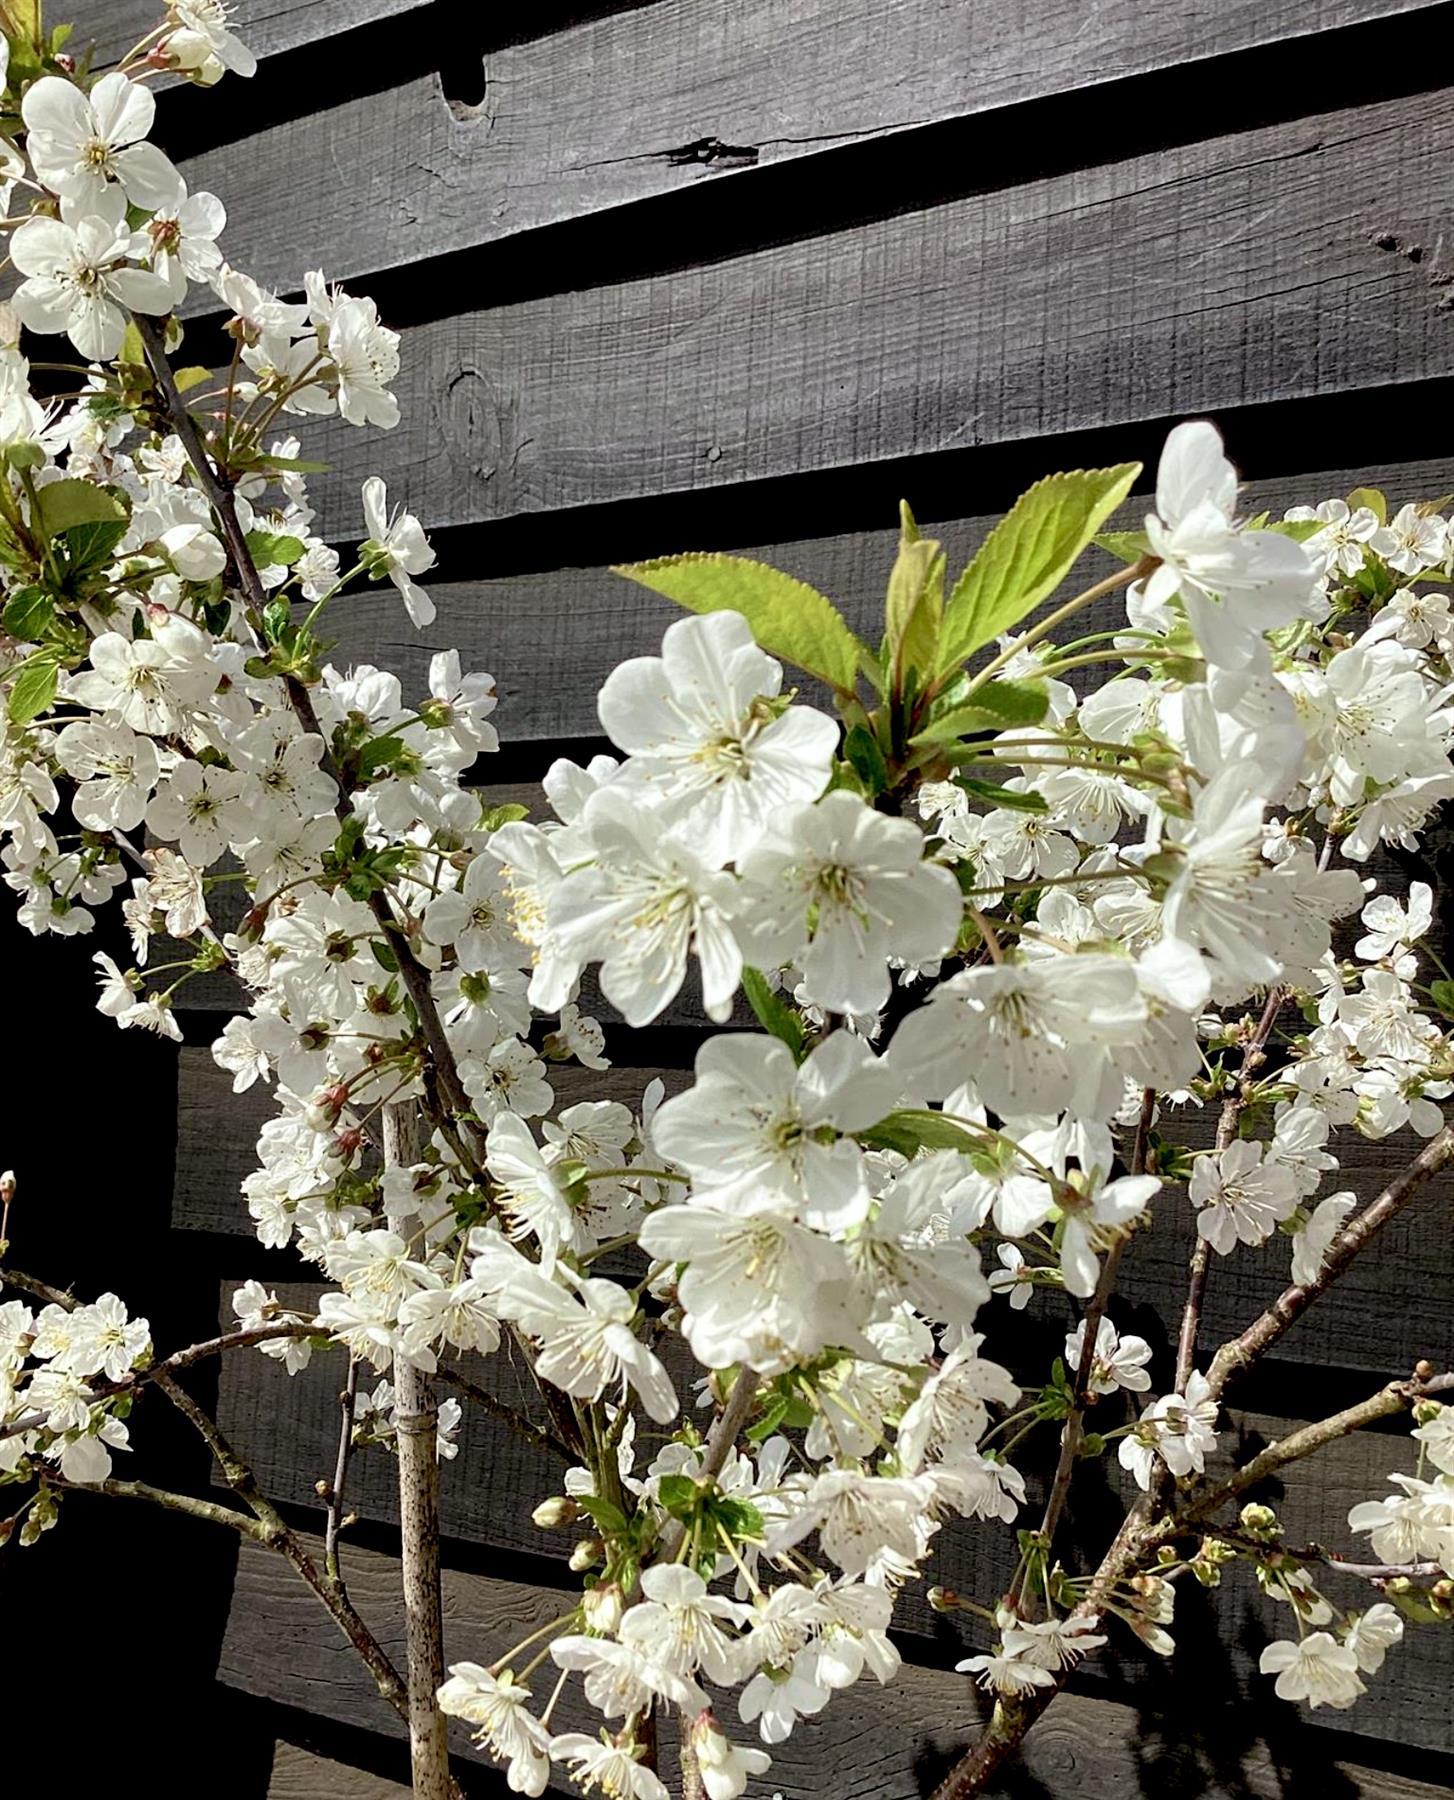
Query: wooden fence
{"points": [[737, 273]]}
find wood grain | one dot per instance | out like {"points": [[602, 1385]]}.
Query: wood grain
{"points": [[1239, 270], [267, 27], [659, 99], [298, 1774], [551, 639], [871, 1743]]}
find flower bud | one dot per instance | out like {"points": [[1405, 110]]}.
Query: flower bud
{"points": [[587, 1553], [1424, 1370], [557, 1512], [943, 1600], [196, 553], [7, 1186], [1259, 1520], [604, 1606]]}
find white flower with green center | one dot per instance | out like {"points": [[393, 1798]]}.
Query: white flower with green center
{"points": [[1235, 584], [645, 904], [712, 748], [763, 1291], [1240, 1197], [496, 1705], [1033, 1037], [1319, 1670], [840, 890], [757, 1133], [79, 143]]}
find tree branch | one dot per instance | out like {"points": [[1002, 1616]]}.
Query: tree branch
{"points": [[347, 1403], [223, 502], [1240, 1352], [508, 1415], [182, 1359], [194, 1508], [416, 1424], [1394, 1398]]}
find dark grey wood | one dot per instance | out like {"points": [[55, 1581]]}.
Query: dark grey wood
{"points": [[1077, 301], [299, 1774], [265, 26], [871, 1742], [658, 99], [551, 639]]}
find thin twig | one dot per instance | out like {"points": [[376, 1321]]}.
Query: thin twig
{"points": [[1201, 1259], [347, 1405], [508, 1415], [194, 1508]]}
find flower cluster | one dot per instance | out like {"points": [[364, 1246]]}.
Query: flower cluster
{"points": [[1007, 898]]}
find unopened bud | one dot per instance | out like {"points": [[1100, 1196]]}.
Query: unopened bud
{"points": [[1424, 1370], [587, 1553], [553, 1514], [603, 1607], [7, 1186], [1258, 1519], [349, 1142]]}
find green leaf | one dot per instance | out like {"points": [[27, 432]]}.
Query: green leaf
{"points": [[377, 752], [28, 613], [996, 705], [1125, 546], [89, 547], [274, 549], [1028, 554], [1373, 499], [866, 758], [605, 1512], [773, 1012], [190, 377], [71, 502], [34, 689], [788, 618], [1299, 530], [678, 1495], [1011, 798], [133, 351], [21, 19], [741, 1517], [915, 1129], [1442, 994], [914, 610], [762, 1429], [504, 815], [294, 464]]}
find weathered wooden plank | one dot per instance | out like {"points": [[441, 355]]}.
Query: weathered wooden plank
{"points": [[656, 100], [871, 1743], [265, 26], [287, 1428], [551, 639], [1076, 301], [298, 1774]]}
